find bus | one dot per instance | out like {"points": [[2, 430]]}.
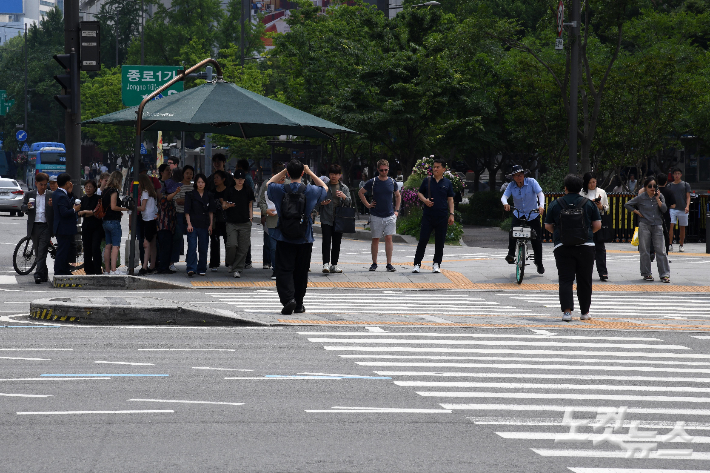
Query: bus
{"points": [[47, 157]]}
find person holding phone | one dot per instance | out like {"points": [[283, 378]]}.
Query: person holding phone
{"points": [[237, 203], [650, 207], [598, 197]]}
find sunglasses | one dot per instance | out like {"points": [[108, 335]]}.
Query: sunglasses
{"points": [[384, 170]]}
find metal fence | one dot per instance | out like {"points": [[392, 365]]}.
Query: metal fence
{"points": [[624, 222]]}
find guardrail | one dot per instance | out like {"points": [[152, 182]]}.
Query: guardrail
{"points": [[624, 222]]}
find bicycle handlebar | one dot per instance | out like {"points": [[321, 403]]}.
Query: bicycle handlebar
{"points": [[526, 216]]}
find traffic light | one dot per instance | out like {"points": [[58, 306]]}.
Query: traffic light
{"points": [[69, 82]]}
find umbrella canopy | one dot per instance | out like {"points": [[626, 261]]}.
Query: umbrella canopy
{"points": [[224, 108]]}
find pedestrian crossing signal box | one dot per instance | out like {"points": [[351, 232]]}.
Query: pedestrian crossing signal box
{"points": [[69, 82]]}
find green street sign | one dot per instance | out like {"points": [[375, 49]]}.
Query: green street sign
{"points": [[137, 82], [4, 103]]}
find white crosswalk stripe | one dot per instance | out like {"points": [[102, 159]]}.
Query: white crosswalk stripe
{"points": [[375, 302], [626, 393], [8, 280], [624, 305]]}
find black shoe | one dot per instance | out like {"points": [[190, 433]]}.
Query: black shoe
{"points": [[540, 269], [603, 277], [288, 308], [142, 272], [510, 259], [391, 268], [299, 309], [273, 276], [38, 279], [373, 267]]}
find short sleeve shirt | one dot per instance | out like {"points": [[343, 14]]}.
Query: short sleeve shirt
{"points": [[151, 209], [440, 193], [553, 216], [382, 195], [314, 195], [525, 197], [679, 190], [240, 212]]}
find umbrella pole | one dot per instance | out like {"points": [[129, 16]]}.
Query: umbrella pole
{"points": [[134, 212]]}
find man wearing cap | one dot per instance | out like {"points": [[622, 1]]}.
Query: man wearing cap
{"points": [[528, 198], [53, 186]]}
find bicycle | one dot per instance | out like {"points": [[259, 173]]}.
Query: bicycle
{"points": [[24, 258], [523, 234]]}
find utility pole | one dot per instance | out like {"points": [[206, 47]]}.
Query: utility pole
{"points": [[26, 47], [574, 85], [142, 28], [72, 117], [115, 19]]}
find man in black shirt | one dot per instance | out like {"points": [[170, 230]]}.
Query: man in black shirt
{"points": [[662, 180], [237, 203]]}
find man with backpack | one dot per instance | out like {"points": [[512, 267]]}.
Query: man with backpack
{"points": [[573, 220], [294, 203]]}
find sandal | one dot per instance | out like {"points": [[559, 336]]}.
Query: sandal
{"points": [[648, 278], [666, 279]]}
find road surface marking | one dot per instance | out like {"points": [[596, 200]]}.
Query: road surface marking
{"points": [[516, 366], [20, 358], [660, 454], [593, 409], [381, 410], [546, 376], [99, 375], [36, 349], [557, 421], [483, 335], [559, 353], [527, 395], [186, 349], [189, 402], [124, 363], [498, 342], [631, 470], [218, 369], [50, 379], [375, 330], [586, 387], [522, 358], [593, 437], [25, 395], [161, 411]]}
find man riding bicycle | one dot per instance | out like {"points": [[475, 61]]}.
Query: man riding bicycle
{"points": [[527, 197]]}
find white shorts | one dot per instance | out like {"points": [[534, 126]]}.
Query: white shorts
{"points": [[381, 227], [679, 216]]}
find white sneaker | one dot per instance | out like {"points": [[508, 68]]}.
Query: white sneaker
{"points": [[567, 317], [585, 317], [266, 266], [435, 268], [416, 268], [670, 249], [681, 249], [335, 269], [326, 268], [120, 272], [237, 274], [173, 268]]}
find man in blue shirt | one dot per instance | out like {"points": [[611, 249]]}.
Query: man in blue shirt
{"points": [[293, 257], [437, 194], [527, 197]]}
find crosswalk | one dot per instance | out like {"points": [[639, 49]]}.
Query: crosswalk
{"points": [[639, 402], [372, 302], [666, 305]]}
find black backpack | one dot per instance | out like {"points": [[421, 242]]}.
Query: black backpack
{"points": [[574, 229], [293, 221]]}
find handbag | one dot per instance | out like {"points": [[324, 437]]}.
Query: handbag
{"points": [[606, 233], [344, 219], [635, 239]]}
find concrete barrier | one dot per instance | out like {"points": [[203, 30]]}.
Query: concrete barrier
{"points": [[117, 282]]}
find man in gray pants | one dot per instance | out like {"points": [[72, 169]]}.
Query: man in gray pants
{"points": [[238, 211], [37, 204]]}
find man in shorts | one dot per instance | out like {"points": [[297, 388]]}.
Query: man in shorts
{"points": [[681, 194], [383, 214]]}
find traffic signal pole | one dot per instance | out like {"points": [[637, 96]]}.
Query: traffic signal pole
{"points": [[575, 18], [72, 117]]}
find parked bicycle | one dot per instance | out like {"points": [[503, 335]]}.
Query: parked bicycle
{"points": [[523, 234], [24, 258]]}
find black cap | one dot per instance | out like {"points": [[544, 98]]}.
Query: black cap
{"points": [[516, 169]]}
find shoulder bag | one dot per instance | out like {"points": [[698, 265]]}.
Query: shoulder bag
{"points": [[344, 219]]}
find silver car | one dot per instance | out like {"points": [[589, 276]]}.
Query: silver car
{"points": [[11, 195]]}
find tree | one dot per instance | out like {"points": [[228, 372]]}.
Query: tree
{"points": [[229, 32], [120, 23]]}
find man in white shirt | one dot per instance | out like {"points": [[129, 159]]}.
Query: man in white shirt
{"points": [[37, 204]]}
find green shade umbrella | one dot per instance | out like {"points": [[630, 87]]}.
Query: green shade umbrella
{"points": [[224, 108]]}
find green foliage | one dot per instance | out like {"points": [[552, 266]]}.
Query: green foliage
{"points": [[506, 224], [484, 208], [411, 224], [552, 180]]}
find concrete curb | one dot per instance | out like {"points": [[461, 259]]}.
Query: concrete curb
{"points": [[132, 311], [366, 235], [95, 281]]}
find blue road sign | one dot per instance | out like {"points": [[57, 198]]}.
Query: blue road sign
{"points": [[25, 148], [21, 135], [143, 150]]}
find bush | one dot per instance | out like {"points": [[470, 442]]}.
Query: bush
{"points": [[506, 224], [411, 224], [484, 208]]}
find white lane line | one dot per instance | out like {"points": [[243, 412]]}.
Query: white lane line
{"points": [[498, 343], [560, 353], [25, 395], [483, 335], [517, 366], [381, 410], [286, 377], [218, 369], [189, 402], [586, 387], [124, 363], [598, 397], [36, 349], [566, 436], [154, 411], [186, 349], [631, 470], [701, 337], [557, 421], [28, 359], [547, 376], [50, 379], [523, 358], [660, 454], [593, 409], [375, 330]]}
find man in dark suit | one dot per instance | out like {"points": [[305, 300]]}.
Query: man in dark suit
{"points": [[64, 223], [37, 204]]}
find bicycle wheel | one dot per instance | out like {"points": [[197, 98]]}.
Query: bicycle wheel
{"points": [[24, 258], [520, 262]]}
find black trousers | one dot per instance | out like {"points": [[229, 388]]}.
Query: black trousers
{"points": [[219, 230], [329, 234], [91, 239], [575, 262], [292, 263], [535, 242], [438, 223], [600, 255], [139, 238], [64, 253], [40, 242], [165, 249]]}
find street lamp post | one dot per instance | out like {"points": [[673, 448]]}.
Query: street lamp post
{"points": [[574, 85]]}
